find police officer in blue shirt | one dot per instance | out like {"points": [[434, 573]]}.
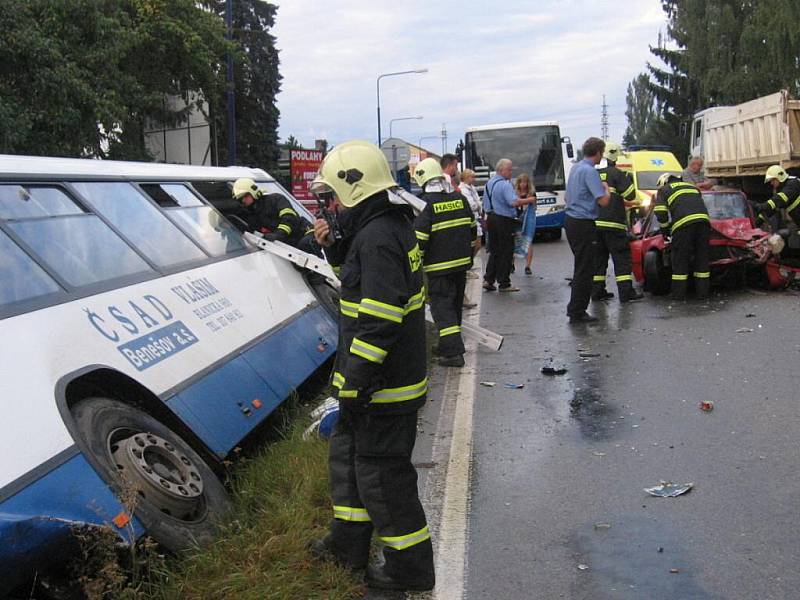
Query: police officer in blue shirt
{"points": [[500, 203], [585, 194]]}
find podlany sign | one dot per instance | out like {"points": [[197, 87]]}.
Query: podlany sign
{"points": [[303, 167]]}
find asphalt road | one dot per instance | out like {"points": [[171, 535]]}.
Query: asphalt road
{"points": [[557, 502]]}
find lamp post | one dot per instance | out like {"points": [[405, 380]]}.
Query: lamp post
{"points": [[378, 89], [391, 122]]}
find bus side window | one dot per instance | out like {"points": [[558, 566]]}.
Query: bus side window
{"points": [[203, 223], [73, 242], [140, 222], [20, 277]]}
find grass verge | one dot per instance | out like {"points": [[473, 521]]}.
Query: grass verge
{"points": [[281, 501]]}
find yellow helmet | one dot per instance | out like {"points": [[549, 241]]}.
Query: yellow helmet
{"points": [[244, 186], [426, 170], [354, 171], [613, 150], [776, 172]]}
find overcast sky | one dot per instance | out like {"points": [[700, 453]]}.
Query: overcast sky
{"points": [[489, 62]]}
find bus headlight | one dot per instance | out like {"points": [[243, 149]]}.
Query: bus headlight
{"points": [[555, 209]]}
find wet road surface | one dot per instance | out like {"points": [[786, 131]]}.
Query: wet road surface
{"points": [[557, 502]]}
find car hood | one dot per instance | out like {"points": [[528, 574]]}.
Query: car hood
{"points": [[737, 229]]}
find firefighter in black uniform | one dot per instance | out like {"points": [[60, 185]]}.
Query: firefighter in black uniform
{"points": [[786, 198], [271, 214], [679, 208], [380, 373], [446, 231], [612, 232]]}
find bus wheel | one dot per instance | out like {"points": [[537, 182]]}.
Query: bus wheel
{"points": [[157, 475]]}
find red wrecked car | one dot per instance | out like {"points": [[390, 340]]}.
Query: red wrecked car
{"points": [[739, 250]]}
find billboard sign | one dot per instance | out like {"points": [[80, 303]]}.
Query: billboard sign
{"points": [[303, 167]]}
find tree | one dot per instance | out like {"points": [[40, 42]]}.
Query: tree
{"points": [[257, 82], [292, 143], [80, 78], [640, 112], [722, 52]]}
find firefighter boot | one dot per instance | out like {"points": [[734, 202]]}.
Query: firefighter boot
{"points": [[627, 293], [377, 578], [347, 545], [702, 286], [599, 291]]}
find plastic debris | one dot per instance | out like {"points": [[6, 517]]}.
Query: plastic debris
{"points": [[744, 330], [324, 418], [674, 571], [488, 383], [583, 567], [602, 526], [749, 315], [707, 405], [554, 370], [667, 489], [599, 453], [589, 354], [514, 386]]}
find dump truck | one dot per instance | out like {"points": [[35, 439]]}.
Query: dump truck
{"points": [[740, 142]]}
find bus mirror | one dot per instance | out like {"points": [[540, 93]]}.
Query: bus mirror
{"points": [[570, 151]]}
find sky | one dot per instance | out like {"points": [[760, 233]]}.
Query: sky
{"points": [[488, 62]]}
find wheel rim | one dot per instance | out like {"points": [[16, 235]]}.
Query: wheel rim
{"points": [[159, 473]]}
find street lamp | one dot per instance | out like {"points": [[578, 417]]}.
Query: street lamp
{"points": [[391, 122], [378, 88]]}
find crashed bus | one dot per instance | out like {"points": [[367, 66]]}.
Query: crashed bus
{"points": [[143, 339]]}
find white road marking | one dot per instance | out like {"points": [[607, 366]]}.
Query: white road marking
{"points": [[451, 539]]}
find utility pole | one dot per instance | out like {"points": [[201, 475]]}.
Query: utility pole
{"points": [[444, 139], [604, 119], [231, 91]]}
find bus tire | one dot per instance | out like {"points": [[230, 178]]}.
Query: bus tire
{"points": [[156, 474]]}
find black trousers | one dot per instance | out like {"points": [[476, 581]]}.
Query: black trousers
{"points": [[374, 485], [501, 249], [582, 237], [690, 249], [446, 295], [613, 242]]}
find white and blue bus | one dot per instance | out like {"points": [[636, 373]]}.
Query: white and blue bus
{"points": [[142, 340], [535, 148]]}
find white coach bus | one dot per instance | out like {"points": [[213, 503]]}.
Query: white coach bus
{"points": [[141, 339]]}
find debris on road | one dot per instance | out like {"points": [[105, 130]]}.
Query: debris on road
{"points": [[514, 386], [324, 418], [583, 567], [744, 330], [488, 383], [588, 354], [599, 453], [706, 405], [667, 489], [674, 571], [602, 526], [554, 370], [749, 315]]}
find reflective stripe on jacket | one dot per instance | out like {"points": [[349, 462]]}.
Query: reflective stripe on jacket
{"points": [[382, 347], [678, 204], [446, 231]]}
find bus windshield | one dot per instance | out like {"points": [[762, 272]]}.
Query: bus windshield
{"points": [[535, 150]]}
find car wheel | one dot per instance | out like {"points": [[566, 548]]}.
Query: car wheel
{"points": [[157, 475], [656, 280], [556, 235]]}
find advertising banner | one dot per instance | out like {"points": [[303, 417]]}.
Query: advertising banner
{"points": [[303, 166]]}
